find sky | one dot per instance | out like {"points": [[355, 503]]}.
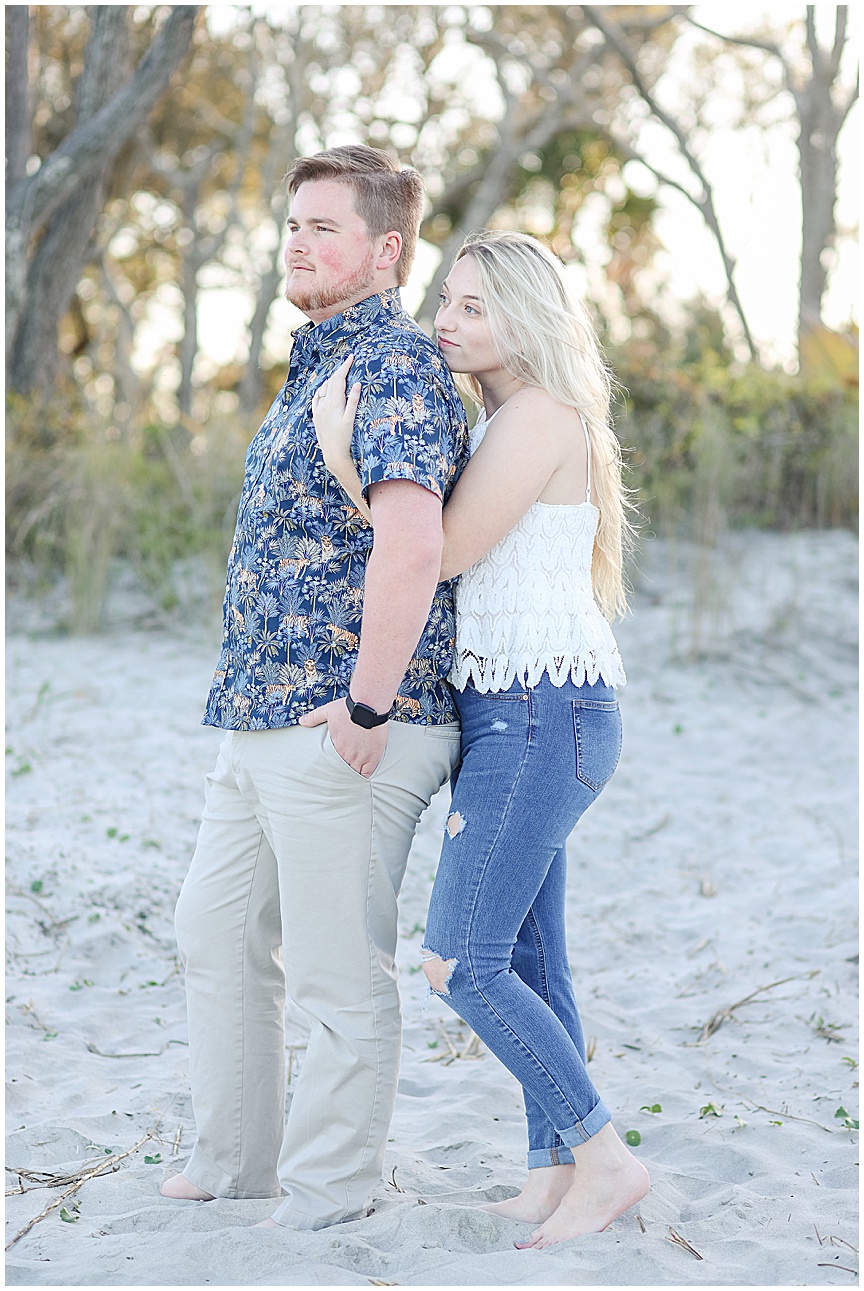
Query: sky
{"points": [[753, 173]]}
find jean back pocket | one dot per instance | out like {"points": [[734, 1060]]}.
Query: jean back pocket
{"points": [[597, 728]]}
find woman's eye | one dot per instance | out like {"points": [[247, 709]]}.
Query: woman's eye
{"points": [[469, 309]]}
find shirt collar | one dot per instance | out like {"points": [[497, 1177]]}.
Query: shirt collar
{"points": [[317, 340]]}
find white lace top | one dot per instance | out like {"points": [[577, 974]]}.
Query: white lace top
{"points": [[527, 606]]}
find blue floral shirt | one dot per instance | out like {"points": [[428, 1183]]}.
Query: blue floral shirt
{"points": [[294, 597]]}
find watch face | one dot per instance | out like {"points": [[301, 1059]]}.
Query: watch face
{"points": [[363, 715]]}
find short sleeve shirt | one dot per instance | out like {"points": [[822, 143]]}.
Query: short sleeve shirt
{"points": [[294, 596]]}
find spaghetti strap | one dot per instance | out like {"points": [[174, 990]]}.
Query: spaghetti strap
{"points": [[588, 446]]}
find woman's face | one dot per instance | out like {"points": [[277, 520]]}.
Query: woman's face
{"points": [[461, 323]]}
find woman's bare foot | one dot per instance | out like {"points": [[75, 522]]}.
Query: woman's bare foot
{"points": [[544, 1190], [267, 1223], [179, 1188], [607, 1181]]}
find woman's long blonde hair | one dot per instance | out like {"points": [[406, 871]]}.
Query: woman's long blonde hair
{"points": [[545, 338]]}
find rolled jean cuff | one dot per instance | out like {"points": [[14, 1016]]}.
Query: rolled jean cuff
{"points": [[579, 1133], [539, 1157]]}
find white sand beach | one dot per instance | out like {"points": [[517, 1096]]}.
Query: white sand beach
{"points": [[712, 937]]}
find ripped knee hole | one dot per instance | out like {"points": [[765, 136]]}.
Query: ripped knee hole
{"points": [[455, 823], [438, 971]]}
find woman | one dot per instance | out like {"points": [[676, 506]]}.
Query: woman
{"points": [[535, 527]]}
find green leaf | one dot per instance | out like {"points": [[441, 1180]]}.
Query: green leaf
{"points": [[841, 1114], [653, 1108], [37, 885], [710, 1110], [68, 1218], [112, 832], [633, 1138], [154, 1160]]}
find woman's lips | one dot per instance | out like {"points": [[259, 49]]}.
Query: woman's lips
{"points": [[443, 341]]}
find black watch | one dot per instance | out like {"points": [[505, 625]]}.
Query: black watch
{"points": [[363, 715]]}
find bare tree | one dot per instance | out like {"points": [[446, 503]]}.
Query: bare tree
{"points": [[553, 103], [63, 198], [822, 106], [617, 41]]}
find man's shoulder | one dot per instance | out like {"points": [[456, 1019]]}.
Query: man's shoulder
{"points": [[399, 345]]}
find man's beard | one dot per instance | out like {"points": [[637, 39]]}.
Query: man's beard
{"points": [[312, 299]]}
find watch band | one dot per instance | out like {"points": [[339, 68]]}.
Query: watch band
{"points": [[363, 715]]}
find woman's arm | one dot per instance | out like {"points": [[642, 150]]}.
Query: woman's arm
{"points": [[333, 415], [531, 437], [519, 453]]}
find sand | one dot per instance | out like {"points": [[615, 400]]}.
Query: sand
{"points": [[713, 880]]}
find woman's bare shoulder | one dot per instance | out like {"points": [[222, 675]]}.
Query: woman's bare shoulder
{"points": [[542, 409]]}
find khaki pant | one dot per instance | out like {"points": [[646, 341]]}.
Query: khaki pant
{"points": [[299, 855]]}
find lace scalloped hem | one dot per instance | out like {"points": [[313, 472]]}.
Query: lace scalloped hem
{"points": [[487, 675]]}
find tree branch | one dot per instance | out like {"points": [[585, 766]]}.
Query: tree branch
{"points": [[616, 40], [839, 39], [87, 148]]}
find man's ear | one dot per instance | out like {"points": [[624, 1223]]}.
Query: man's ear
{"points": [[390, 249]]}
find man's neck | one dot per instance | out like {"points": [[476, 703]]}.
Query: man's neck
{"points": [[321, 315]]}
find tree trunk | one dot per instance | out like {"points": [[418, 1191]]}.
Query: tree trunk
{"points": [[17, 105], [481, 206], [821, 122], [62, 251], [71, 178]]}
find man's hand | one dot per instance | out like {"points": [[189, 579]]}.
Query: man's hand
{"points": [[361, 749]]}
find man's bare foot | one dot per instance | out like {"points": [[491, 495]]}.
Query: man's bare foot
{"points": [[267, 1223], [607, 1181], [179, 1188], [544, 1190]]}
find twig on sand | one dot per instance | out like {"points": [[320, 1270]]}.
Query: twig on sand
{"points": [[177, 1139], [470, 1050], [100, 1053], [45, 1178], [681, 1241], [772, 1111], [103, 1167], [641, 1222], [854, 1272], [717, 1019]]}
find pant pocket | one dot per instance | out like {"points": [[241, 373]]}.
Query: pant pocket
{"points": [[597, 728]]}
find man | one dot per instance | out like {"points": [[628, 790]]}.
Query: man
{"points": [[306, 829]]}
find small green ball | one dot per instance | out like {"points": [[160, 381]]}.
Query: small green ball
{"points": [[633, 1138]]}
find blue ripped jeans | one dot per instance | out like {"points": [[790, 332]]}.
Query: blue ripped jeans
{"points": [[532, 761]]}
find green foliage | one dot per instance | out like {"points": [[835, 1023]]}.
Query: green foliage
{"points": [[78, 500], [711, 446], [708, 446]]}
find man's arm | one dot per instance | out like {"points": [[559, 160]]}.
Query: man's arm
{"points": [[401, 577]]}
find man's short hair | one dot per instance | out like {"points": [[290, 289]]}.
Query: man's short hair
{"points": [[386, 196]]}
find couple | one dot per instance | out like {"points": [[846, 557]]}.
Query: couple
{"points": [[341, 724]]}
